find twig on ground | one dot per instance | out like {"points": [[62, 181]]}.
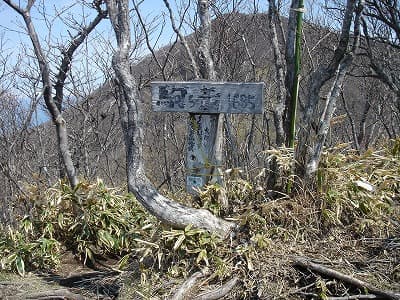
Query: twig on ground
{"points": [[187, 286], [184, 291], [47, 295], [302, 288], [306, 263], [12, 283], [355, 297], [312, 295], [219, 292]]}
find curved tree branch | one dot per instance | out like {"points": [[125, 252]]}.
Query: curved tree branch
{"points": [[131, 112]]}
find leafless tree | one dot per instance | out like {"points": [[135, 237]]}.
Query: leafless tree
{"points": [[315, 122], [131, 114], [53, 86], [164, 69], [381, 29]]}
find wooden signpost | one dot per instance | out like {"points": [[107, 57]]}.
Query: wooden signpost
{"points": [[204, 101]]}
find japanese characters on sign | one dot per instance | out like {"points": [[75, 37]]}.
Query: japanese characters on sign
{"points": [[207, 97]]}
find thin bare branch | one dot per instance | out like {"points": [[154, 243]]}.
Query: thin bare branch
{"points": [[306, 263], [182, 38]]}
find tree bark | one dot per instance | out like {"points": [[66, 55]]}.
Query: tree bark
{"points": [[279, 108], [290, 63], [184, 290], [219, 292], [207, 71]]}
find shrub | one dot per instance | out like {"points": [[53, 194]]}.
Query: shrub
{"points": [[90, 219]]}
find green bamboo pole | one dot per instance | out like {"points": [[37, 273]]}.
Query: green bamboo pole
{"points": [[295, 91], [297, 68]]}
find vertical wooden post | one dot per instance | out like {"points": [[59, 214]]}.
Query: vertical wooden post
{"points": [[204, 153]]}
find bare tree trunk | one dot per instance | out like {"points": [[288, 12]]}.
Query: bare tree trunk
{"points": [[131, 113], [324, 123], [315, 126], [206, 63], [232, 142], [162, 64], [47, 89], [280, 107], [362, 139], [290, 63]]}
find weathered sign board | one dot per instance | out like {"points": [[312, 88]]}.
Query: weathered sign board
{"points": [[208, 97], [205, 101]]}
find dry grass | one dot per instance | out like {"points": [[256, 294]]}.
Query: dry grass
{"points": [[342, 226], [346, 226]]}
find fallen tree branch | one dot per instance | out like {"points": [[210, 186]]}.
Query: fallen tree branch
{"points": [[187, 286], [304, 288], [74, 280], [47, 295], [355, 297], [219, 292], [13, 283], [306, 263]]}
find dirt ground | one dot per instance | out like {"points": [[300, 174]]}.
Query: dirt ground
{"points": [[273, 274]]}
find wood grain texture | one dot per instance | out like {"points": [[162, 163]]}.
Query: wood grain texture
{"points": [[203, 97], [204, 157]]}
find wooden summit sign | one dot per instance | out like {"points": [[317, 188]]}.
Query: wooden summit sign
{"points": [[205, 101], [208, 97]]}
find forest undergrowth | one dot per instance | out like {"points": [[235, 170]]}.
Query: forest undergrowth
{"points": [[349, 224]]}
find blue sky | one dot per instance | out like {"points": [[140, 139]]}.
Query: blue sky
{"points": [[152, 10], [94, 57], [50, 16], [12, 29], [52, 29]]}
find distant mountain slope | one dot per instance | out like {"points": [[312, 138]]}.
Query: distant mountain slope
{"points": [[242, 52]]}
